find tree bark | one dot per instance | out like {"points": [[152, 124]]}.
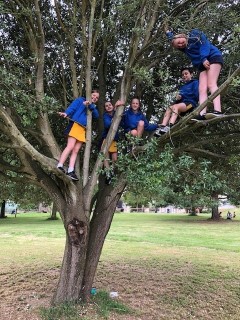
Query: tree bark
{"points": [[72, 270], [2, 215], [215, 212], [54, 212], [100, 225]]}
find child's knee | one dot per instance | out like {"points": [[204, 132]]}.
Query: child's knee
{"points": [[175, 107], [141, 123], [134, 132]]}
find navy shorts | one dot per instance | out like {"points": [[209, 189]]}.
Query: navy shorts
{"points": [[212, 60]]}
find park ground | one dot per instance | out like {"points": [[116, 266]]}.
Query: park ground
{"points": [[163, 267]]}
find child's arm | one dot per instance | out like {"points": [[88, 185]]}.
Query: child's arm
{"points": [[119, 103]]}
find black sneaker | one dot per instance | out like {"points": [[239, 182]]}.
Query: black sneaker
{"points": [[214, 114], [61, 169], [199, 118], [72, 175]]}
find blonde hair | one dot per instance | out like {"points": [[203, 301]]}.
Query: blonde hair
{"points": [[180, 35]]}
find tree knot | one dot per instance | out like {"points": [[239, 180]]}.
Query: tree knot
{"points": [[77, 232]]}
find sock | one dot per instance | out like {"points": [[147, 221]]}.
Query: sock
{"points": [[60, 165], [70, 169]]}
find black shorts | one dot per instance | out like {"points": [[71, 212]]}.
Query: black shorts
{"points": [[212, 60]]}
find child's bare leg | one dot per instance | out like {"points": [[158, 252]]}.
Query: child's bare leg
{"points": [[203, 89], [176, 110], [167, 116], [70, 145], [74, 153], [114, 157], [213, 74], [140, 128], [134, 132], [106, 161]]}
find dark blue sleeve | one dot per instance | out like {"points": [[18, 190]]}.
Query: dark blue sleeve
{"points": [[149, 126], [74, 105], [107, 121], [196, 90], [95, 113], [169, 35], [94, 110], [204, 49]]}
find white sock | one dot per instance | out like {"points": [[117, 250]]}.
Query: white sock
{"points": [[60, 165], [70, 169]]}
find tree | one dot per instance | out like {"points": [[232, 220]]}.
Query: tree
{"points": [[50, 53]]}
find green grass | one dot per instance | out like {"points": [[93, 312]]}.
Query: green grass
{"points": [[192, 259]]}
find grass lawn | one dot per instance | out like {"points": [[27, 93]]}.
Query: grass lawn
{"points": [[163, 266]]}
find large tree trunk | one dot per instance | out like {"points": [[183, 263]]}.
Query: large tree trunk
{"points": [[107, 200], [215, 212], [84, 243], [2, 214], [54, 212], [72, 271]]}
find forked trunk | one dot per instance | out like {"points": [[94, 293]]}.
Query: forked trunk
{"points": [[84, 245], [100, 224]]}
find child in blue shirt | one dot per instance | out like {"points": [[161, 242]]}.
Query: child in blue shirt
{"points": [[134, 122], [112, 151], [76, 130], [208, 59], [186, 100]]}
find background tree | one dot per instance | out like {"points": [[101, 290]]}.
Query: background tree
{"points": [[53, 52]]}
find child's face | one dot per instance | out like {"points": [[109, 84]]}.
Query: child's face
{"points": [[94, 97], [108, 106], [179, 43], [186, 75], [135, 104]]}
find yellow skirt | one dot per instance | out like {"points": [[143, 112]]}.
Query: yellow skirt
{"points": [[113, 147], [78, 132]]}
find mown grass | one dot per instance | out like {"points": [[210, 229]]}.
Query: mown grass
{"points": [[178, 261]]}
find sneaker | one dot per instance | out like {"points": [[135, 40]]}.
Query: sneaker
{"points": [[199, 118], [61, 169], [72, 175], [214, 114], [161, 130]]}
